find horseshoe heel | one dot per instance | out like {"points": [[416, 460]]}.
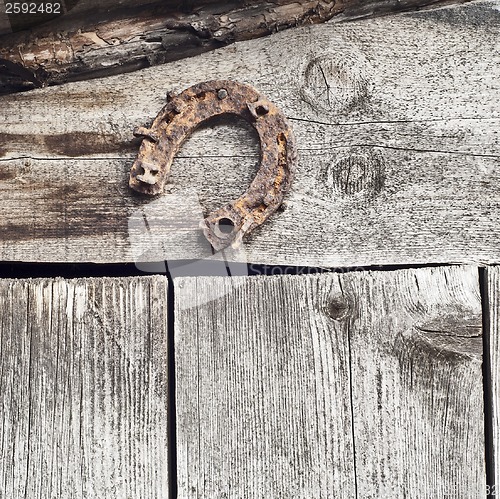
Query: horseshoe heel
{"points": [[182, 114]]}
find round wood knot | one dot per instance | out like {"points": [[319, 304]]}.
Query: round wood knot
{"points": [[337, 307], [358, 171], [335, 84]]}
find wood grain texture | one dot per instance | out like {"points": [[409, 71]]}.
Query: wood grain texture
{"points": [[104, 38], [288, 386], [398, 151], [493, 293], [262, 390], [83, 388], [416, 369]]}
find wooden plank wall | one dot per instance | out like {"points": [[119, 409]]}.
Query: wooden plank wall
{"points": [[363, 383], [367, 384], [83, 388], [351, 384], [398, 144]]}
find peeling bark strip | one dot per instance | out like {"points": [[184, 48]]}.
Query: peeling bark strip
{"points": [[365, 384], [133, 37]]}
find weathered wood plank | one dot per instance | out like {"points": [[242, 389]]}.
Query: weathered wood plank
{"points": [[83, 388], [262, 389], [288, 386], [398, 144], [416, 369], [104, 38], [493, 293]]}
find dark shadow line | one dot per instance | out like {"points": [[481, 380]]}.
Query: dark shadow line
{"points": [[180, 268], [172, 407], [487, 385]]}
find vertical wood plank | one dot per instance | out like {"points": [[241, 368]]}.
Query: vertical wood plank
{"points": [[416, 349], [83, 388], [268, 368], [493, 293], [262, 382]]}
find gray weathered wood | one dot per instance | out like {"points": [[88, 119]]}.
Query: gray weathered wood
{"points": [[416, 369], [110, 37], [262, 389], [493, 293], [83, 388], [289, 386], [399, 150]]}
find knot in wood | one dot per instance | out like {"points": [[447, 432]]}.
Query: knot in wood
{"points": [[335, 83], [357, 171], [337, 307]]}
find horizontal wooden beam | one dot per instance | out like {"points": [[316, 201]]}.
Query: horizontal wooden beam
{"points": [[95, 39], [399, 147]]}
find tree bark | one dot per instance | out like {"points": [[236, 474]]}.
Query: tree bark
{"points": [[93, 41]]}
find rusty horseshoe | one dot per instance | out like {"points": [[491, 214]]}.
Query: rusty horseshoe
{"points": [[182, 114]]}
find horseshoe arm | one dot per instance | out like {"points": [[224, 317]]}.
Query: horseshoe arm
{"points": [[182, 115]]}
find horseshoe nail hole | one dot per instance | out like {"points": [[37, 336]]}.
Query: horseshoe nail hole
{"points": [[148, 170], [225, 226], [222, 93], [261, 110]]}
